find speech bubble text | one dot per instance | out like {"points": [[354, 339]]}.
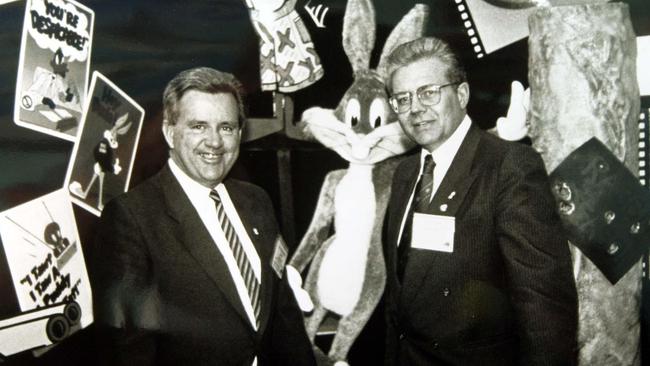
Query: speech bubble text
{"points": [[56, 24], [48, 286]]}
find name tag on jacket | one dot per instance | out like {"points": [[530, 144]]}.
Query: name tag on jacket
{"points": [[279, 257], [433, 232]]}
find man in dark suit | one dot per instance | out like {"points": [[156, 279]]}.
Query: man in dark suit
{"points": [[479, 272], [190, 263]]}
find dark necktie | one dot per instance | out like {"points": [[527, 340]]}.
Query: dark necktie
{"points": [[245, 267], [420, 203]]}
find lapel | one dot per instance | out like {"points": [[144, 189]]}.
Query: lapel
{"points": [[405, 180], [459, 178], [251, 217], [191, 232], [405, 183]]}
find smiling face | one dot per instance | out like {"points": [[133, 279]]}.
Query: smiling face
{"points": [[430, 126], [204, 140]]}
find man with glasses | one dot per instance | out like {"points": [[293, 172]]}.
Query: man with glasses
{"points": [[479, 272]]}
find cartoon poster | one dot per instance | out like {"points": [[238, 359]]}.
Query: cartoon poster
{"points": [[48, 272], [53, 68], [101, 162]]}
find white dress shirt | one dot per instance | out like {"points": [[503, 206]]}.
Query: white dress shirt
{"points": [[442, 156], [199, 196]]}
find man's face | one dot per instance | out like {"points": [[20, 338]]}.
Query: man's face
{"points": [[430, 126], [204, 141]]}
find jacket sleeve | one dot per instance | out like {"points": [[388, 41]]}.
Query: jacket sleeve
{"points": [[125, 302], [537, 260]]}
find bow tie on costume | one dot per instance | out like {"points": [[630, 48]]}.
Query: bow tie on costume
{"points": [[421, 200], [243, 263]]}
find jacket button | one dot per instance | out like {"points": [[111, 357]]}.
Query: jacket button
{"points": [[436, 345], [401, 336], [445, 292]]}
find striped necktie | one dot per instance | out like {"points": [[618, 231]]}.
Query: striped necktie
{"points": [[244, 265], [421, 200]]}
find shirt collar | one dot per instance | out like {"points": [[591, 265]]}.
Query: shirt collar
{"points": [[192, 187], [445, 153]]}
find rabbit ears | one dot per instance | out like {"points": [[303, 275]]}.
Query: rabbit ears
{"points": [[122, 124], [359, 29]]}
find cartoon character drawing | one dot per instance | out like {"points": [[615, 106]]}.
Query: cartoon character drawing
{"points": [[288, 60], [53, 88], [347, 275], [52, 238], [106, 160]]}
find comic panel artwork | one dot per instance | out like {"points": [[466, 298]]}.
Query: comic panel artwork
{"points": [[54, 66], [48, 273], [102, 160]]}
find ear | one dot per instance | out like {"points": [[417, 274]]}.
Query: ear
{"points": [[359, 33], [122, 125], [240, 130], [463, 94], [411, 27], [168, 132]]}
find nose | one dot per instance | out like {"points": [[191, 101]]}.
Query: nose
{"points": [[213, 138], [417, 106]]}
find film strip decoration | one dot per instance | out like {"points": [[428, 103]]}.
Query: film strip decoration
{"points": [[644, 131], [644, 163], [491, 25], [468, 23]]}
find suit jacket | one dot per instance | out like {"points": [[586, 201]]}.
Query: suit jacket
{"points": [[506, 294], [164, 291]]}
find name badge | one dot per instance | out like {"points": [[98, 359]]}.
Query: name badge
{"points": [[433, 232], [279, 257]]}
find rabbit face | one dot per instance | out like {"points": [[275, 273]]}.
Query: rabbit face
{"points": [[364, 105], [362, 128], [111, 137]]}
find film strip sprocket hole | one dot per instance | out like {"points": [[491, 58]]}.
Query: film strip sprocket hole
{"points": [[644, 163], [644, 158], [470, 28]]}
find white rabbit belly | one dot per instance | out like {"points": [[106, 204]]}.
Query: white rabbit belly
{"points": [[342, 271]]}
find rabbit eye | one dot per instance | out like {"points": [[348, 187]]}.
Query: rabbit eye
{"points": [[352, 112], [378, 112]]}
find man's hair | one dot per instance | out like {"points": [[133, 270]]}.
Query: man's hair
{"points": [[425, 48], [203, 79]]}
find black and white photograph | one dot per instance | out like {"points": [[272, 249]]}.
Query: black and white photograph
{"points": [[333, 182]]}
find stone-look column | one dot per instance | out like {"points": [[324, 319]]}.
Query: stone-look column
{"points": [[582, 76]]}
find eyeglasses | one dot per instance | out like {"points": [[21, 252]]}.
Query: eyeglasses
{"points": [[428, 95]]}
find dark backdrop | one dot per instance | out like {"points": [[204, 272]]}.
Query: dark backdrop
{"points": [[142, 44]]}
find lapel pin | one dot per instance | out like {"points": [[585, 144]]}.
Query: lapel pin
{"points": [[255, 231], [451, 195], [443, 207]]}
